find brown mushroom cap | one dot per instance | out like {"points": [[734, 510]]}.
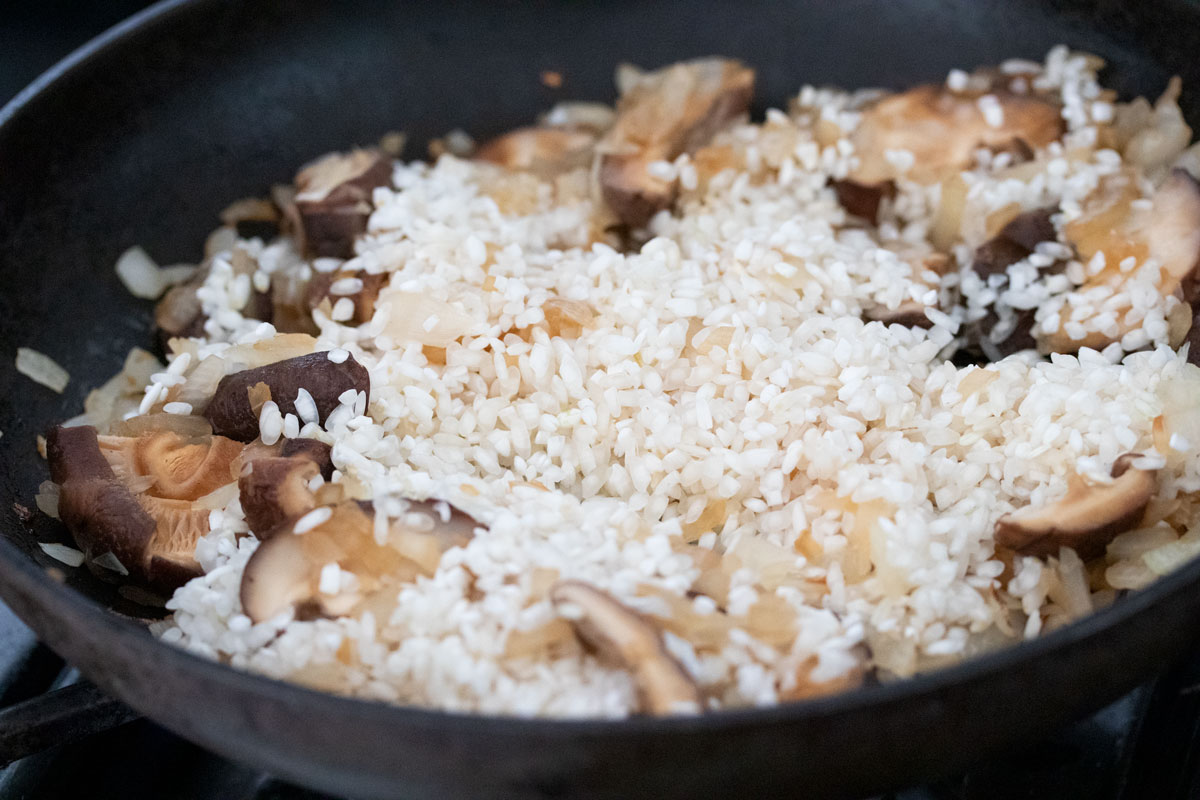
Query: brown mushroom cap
{"points": [[1015, 241], [153, 538], [627, 638], [230, 411], [942, 129], [667, 112], [277, 576], [863, 199], [332, 201], [364, 299], [275, 490], [542, 150], [286, 569], [910, 314], [316, 451], [1086, 519]]}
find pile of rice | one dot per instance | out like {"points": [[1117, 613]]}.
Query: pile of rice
{"points": [[796, 496]]}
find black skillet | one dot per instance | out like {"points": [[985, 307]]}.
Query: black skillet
{"points": [[144, 134]]}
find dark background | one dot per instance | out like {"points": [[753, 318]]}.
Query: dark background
{"points": [[33, 36]]}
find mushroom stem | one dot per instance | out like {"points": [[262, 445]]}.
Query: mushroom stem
{"points": [[1086, 519], [624, 636]]}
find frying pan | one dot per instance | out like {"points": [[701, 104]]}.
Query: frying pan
{"points": [[145, 133]]}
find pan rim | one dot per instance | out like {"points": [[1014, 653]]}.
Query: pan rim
{"points": [[39, 585], [28, 577]]}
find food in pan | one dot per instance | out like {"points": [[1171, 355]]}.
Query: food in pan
{"points": [[653, 409]]}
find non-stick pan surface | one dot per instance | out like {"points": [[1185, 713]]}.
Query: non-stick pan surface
{"points": [[143, 135]]}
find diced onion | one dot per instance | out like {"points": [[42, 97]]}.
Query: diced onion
{"points": [[60, 552], [42, 369], [110, 562], [1171, 556], [410, 313], [47, 499], [140, 274]]}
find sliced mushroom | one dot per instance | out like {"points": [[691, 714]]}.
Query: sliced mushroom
{"points": [[1014, 242], [1192, 340], [153, 538], [276, 490], [289, 303], [661, 115], [542, 150], [259, 305], [863, 199], [178, 468], [625, 637], [1167, 232], [363, 296], [1086, 519], [252, 217], [170, 559], [286, 569], [318, 452], [333, 200], [179, 312], [942, 130], [230, 411]]}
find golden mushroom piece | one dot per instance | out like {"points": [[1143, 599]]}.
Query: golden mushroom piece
{"points": [[1168, 231], [290, 568], [662, 114], [942, 129], [1086, 519], [178, 467], [621, 635], [151, 529], [543, 150]]}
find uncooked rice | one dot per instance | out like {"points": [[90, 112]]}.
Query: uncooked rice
{"points": [[725, 443]]}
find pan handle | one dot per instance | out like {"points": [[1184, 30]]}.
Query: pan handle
{"points": [[57, 717]]}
